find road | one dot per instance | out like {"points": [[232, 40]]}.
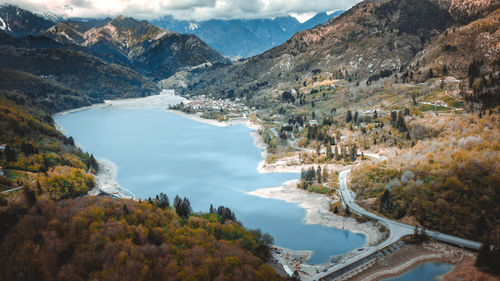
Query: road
{"points": [[397, 229], [10, 190]]}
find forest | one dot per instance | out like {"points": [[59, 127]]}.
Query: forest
{"points": [[448, 181], [51, 231], [101, 238]]}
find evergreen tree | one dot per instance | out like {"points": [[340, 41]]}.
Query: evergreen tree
{"points": [[348, 116], [163, 201], [10, 154], [355, 117], [225, 214], [430, 74], [354, 152], [489, 257], [336, 153], [343, 151], [394, 117], [385, 201], [92, 163], [401, 125], [183, 208], [325, 174], [318, 175], [125, 209], [329, 154], [38, 188], [177, 202], [29, 196]]}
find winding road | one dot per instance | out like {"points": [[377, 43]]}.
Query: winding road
{"points": [[10, 190], [397, 229]]}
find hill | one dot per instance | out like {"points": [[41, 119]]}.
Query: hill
{"points": [[150, 50], [106, 239], [374, 39], [18, 22], [90, 76]]}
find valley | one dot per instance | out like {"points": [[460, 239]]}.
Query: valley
{"points": [[366, 145]]}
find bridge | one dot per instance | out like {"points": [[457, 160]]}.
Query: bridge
{"points": [[360, 259]]}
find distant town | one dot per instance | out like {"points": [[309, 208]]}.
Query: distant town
{"points": [[219, 109]]}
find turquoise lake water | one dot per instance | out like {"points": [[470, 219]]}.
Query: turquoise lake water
{"points": [[424, 272], [156, 151]]}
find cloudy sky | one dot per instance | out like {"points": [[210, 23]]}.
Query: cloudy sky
{"points": [[185, 9]]}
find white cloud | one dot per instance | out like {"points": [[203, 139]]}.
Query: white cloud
{"points": [[183, 9]]}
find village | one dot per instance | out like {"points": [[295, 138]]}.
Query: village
{"points": [[221, 109]]}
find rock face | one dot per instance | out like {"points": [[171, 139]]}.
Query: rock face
{"points": [[151, 50], [373, 39]]}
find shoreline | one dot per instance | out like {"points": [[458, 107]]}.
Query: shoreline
{"points": [[289, 191], [405, 267], [106, 177], [412, 256], [317, 207], [106, 183]]}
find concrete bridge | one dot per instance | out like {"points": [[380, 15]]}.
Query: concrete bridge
{"points": [[360, 259]]}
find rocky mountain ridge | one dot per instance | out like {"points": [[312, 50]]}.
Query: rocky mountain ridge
{"points": [[374, 39], [244, 38], [150, 50]]}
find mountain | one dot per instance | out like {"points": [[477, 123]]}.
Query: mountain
{"points": [[318, 19], [473, 43], [19, 22], [148, 49], [243, 38], [38, 67], [373, 39]]}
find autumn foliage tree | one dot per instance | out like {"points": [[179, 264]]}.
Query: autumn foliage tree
{"points": [[95, 238]]}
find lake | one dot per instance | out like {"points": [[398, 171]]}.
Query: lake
{"points": [[157, 151], [424, 272]]}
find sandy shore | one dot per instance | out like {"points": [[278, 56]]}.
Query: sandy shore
{"points": [[293, 165], [214, 122], [106, 177], [106, 182], [316, 205], [317, 208]]}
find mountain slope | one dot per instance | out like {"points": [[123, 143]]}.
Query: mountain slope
{"points": [[150, 50], [19, 22], [89, 77], [243, 38], [476, 41], [371, 40]]}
